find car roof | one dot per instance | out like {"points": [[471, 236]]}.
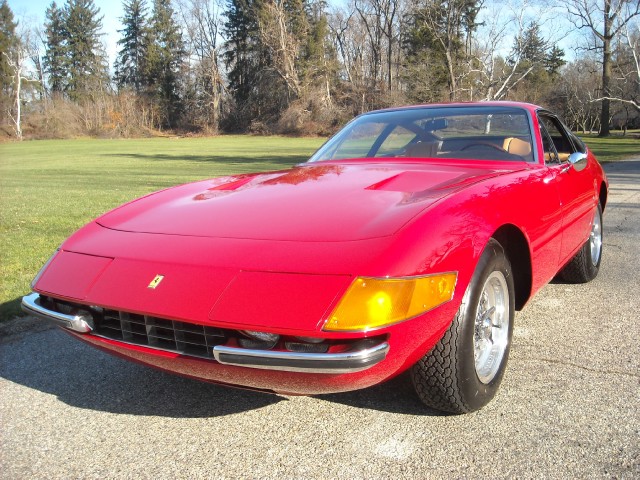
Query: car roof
{"points": [[525, 106]]}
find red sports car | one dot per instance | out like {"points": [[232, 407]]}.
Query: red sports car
{"points": [[407, 241]]}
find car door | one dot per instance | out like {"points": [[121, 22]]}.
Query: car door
{"points": [[575, 187]]}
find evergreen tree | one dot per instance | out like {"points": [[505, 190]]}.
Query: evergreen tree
{"points": [[297, 17], [275, 54], [537, 63], [438, 40], [537, 53], [55, 58], [87, 67], [244, 57], [531, 45], [318, 59], [8, 41], [316, 51], [554, 61], [164, 61], [315, 46], [129, 64]]}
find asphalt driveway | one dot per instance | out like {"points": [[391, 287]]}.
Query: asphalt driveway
{"points": [[569, 405]]}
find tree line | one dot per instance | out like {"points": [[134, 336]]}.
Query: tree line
{"points": [[306, 67]]}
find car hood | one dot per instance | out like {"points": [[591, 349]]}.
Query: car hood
{"points": [[312, 202]]}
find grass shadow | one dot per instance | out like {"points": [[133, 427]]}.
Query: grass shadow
{"points": [[288, 160], [10, 309]]}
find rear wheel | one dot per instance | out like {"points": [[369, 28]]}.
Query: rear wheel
{"points": [[585, 265], [463, 371]]}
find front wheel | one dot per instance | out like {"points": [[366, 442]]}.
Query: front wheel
{"points": [[463, 371]]}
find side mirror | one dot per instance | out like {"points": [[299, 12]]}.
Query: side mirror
{"points": [[578, 160]]}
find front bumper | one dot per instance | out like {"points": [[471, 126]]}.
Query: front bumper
{"points": [[348, 362], [77, 321], [80, 320]]}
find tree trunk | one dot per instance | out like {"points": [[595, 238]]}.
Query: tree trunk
{"points": [[452, 76], [606, 71], [17, 120], [389, 61], [216, 93]]}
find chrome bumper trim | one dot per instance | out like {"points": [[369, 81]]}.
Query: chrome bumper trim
{"points": [[82, 323], [347, 362]]}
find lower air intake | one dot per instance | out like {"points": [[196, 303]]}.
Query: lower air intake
{"points": [[171, 335]]}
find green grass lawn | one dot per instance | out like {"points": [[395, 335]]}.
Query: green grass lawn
{"points": [[614, 147], [48, 189]]}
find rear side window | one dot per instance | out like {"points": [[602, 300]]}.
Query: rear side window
{"points": [[578, 143], [557, 143], [550, 153]]}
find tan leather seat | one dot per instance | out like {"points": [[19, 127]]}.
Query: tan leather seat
{"points": [[562, 157], [422, 150], [517, 146]]}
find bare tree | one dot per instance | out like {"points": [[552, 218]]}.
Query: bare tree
{"points": [[341, 26], [391, 31], [380, 19], [494, 74], [633, 40], [350, 41], [576, 87], [629, 74], [605, 19], [202, 19], [367, 39], [282, 42], [17, 59], [369, 14], [36, 58]]}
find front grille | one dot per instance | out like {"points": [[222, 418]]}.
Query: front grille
{"points": [[172, 335]]}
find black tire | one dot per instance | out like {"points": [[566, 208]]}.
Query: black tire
{"points": [[447, 378], [584, 266]]}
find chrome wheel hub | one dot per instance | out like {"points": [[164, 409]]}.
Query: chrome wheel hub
{"points": [[491, 333], [595, 239]]}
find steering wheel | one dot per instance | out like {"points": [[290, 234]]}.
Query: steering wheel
{"points": [[484, 144]]}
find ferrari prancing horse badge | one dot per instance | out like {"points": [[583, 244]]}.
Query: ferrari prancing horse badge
{"points": [[155, 282]]}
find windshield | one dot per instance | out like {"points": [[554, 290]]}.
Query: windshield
{"points": [[483, 133]]}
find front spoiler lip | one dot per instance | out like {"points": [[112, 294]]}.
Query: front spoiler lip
{"points": [[77, 323], [347, 362], [329, 363]]}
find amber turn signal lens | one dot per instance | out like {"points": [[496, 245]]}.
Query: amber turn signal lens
{"points": [[376, 302]]}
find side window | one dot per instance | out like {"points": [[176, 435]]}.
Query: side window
{"points": [[561, 142], [550, 154], [395, 142], [358, 141], [578, 143]]}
